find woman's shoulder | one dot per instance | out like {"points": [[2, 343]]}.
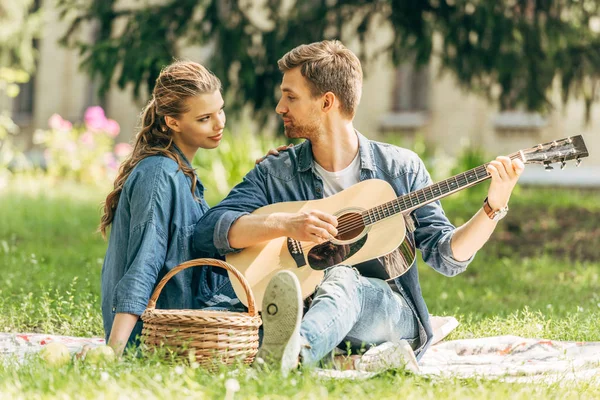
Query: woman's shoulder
{"points": [[154, 170], [158, 164]]}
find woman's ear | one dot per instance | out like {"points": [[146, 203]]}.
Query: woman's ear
{"points": [[172, 123]]}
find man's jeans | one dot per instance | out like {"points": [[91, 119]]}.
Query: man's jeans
{"points": [[350, 308]]}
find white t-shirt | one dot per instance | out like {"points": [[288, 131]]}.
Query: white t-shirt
{"points": [[334, 182]]}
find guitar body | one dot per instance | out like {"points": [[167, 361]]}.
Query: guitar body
{"points": [[354, 245]]}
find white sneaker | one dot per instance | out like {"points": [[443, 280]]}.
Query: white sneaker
{"points": [[389, 355], [281, 315]]}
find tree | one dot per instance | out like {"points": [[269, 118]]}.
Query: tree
{"points": [[19, 25], [511, 50]]}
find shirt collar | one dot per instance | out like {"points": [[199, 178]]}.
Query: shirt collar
{"points": [[305, 156], [178, 151]]}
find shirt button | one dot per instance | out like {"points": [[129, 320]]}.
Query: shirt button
{"points": [[318, 190], [114, 309]]}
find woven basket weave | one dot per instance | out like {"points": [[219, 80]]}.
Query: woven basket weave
{"points": [[208, 337]]}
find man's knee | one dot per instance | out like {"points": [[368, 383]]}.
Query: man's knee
{"points": [[341, 287], [340, 280], [343, 273]]}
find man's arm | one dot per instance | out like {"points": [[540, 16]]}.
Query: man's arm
{"points": [[471, 236], [313, 226], [229, 226]]}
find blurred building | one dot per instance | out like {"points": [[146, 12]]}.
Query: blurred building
{"points": [[397, 104]]}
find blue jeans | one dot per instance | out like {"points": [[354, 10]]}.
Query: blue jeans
{"points": [[348, 307]]}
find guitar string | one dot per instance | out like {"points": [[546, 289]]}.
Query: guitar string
{"points": [[358, 222]]}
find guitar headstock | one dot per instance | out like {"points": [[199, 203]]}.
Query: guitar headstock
{"points": [[563, 150]]}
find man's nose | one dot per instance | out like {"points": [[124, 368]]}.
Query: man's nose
{"points": [[280, 108]]}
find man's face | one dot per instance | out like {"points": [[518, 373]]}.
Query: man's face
{"points": [[300, 111]]}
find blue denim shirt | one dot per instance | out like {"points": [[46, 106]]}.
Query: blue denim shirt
{"points": [[291, 177], [151, 233]]}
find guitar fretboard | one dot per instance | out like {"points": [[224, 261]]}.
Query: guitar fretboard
{"points": [[421, 197]]}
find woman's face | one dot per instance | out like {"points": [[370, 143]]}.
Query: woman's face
{"points": [[202, 126]]}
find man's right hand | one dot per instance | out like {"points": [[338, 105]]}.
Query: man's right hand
{"points": [[310, 226]]}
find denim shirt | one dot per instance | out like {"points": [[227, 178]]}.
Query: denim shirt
{"points": [[291, 177], [151, 233]]}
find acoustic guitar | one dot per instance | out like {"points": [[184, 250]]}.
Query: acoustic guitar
{"points": [[374, 226]]}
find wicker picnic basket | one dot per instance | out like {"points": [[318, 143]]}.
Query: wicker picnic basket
{"points": [[209, 338]]}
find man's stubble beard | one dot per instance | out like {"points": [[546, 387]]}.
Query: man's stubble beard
{"points": [[309, 131]]}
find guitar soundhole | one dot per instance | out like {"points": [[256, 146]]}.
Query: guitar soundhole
{"points": [[350, 225]]}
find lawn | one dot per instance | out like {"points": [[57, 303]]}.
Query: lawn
{"points": [[538, 277]]}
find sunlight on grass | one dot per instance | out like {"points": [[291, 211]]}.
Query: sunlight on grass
{"points": [[51, 259]]}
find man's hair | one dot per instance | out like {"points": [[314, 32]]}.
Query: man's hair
{"points": [[328, 66]]}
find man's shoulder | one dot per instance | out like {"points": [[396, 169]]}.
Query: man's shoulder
{"points": [[395, 160], [285, 165]]}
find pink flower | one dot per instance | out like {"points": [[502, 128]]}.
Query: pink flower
{"points": [[112, 128], [71, 147], [58, 123], [95, 118], [122, 150], [87, 139], [110, 161]]}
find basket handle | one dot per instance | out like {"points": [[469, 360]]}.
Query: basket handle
{"points": [[202, 262]]}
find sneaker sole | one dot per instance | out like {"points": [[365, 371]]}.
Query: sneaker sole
{"points": [[281, 315]]}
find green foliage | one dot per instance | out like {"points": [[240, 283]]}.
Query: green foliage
{"points": [[510, 50], [10, 156], [19, 26]]}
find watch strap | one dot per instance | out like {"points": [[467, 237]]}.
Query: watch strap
{"points": [[488, 209], [494, 215]]}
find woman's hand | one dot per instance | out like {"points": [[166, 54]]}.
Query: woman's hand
{"points": [[274, 152]]}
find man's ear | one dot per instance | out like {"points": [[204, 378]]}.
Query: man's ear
{"points": [[172, 123], [328, 102]]}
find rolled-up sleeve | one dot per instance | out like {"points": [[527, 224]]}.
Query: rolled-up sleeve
{"points": [[434, 232], [211, 234]]}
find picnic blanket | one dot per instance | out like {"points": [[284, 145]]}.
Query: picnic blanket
{"points": [[508, 358]]}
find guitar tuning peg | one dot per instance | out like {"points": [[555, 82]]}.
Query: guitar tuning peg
{"points": [[549, 167], [563, 164], [578, 162]]}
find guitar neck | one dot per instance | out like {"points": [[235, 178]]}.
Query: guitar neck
{"points": [[431, 193]]}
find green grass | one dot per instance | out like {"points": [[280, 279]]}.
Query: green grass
{"points": [[51, 258]]}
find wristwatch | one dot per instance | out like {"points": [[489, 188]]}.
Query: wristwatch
{"points": [[495, 215]]}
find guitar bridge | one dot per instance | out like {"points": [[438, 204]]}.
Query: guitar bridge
{"points": [[295, 249]]}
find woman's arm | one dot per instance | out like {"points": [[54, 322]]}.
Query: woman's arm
{"points": [[121, 330]]}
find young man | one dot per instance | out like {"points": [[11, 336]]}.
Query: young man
{"points": [[321, 89]]}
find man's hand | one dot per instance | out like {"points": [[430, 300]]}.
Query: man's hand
{"points": [[312, 226], [505, 174], [274, 152]]}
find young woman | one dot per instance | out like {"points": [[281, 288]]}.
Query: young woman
{"points": [[157, 201]]}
